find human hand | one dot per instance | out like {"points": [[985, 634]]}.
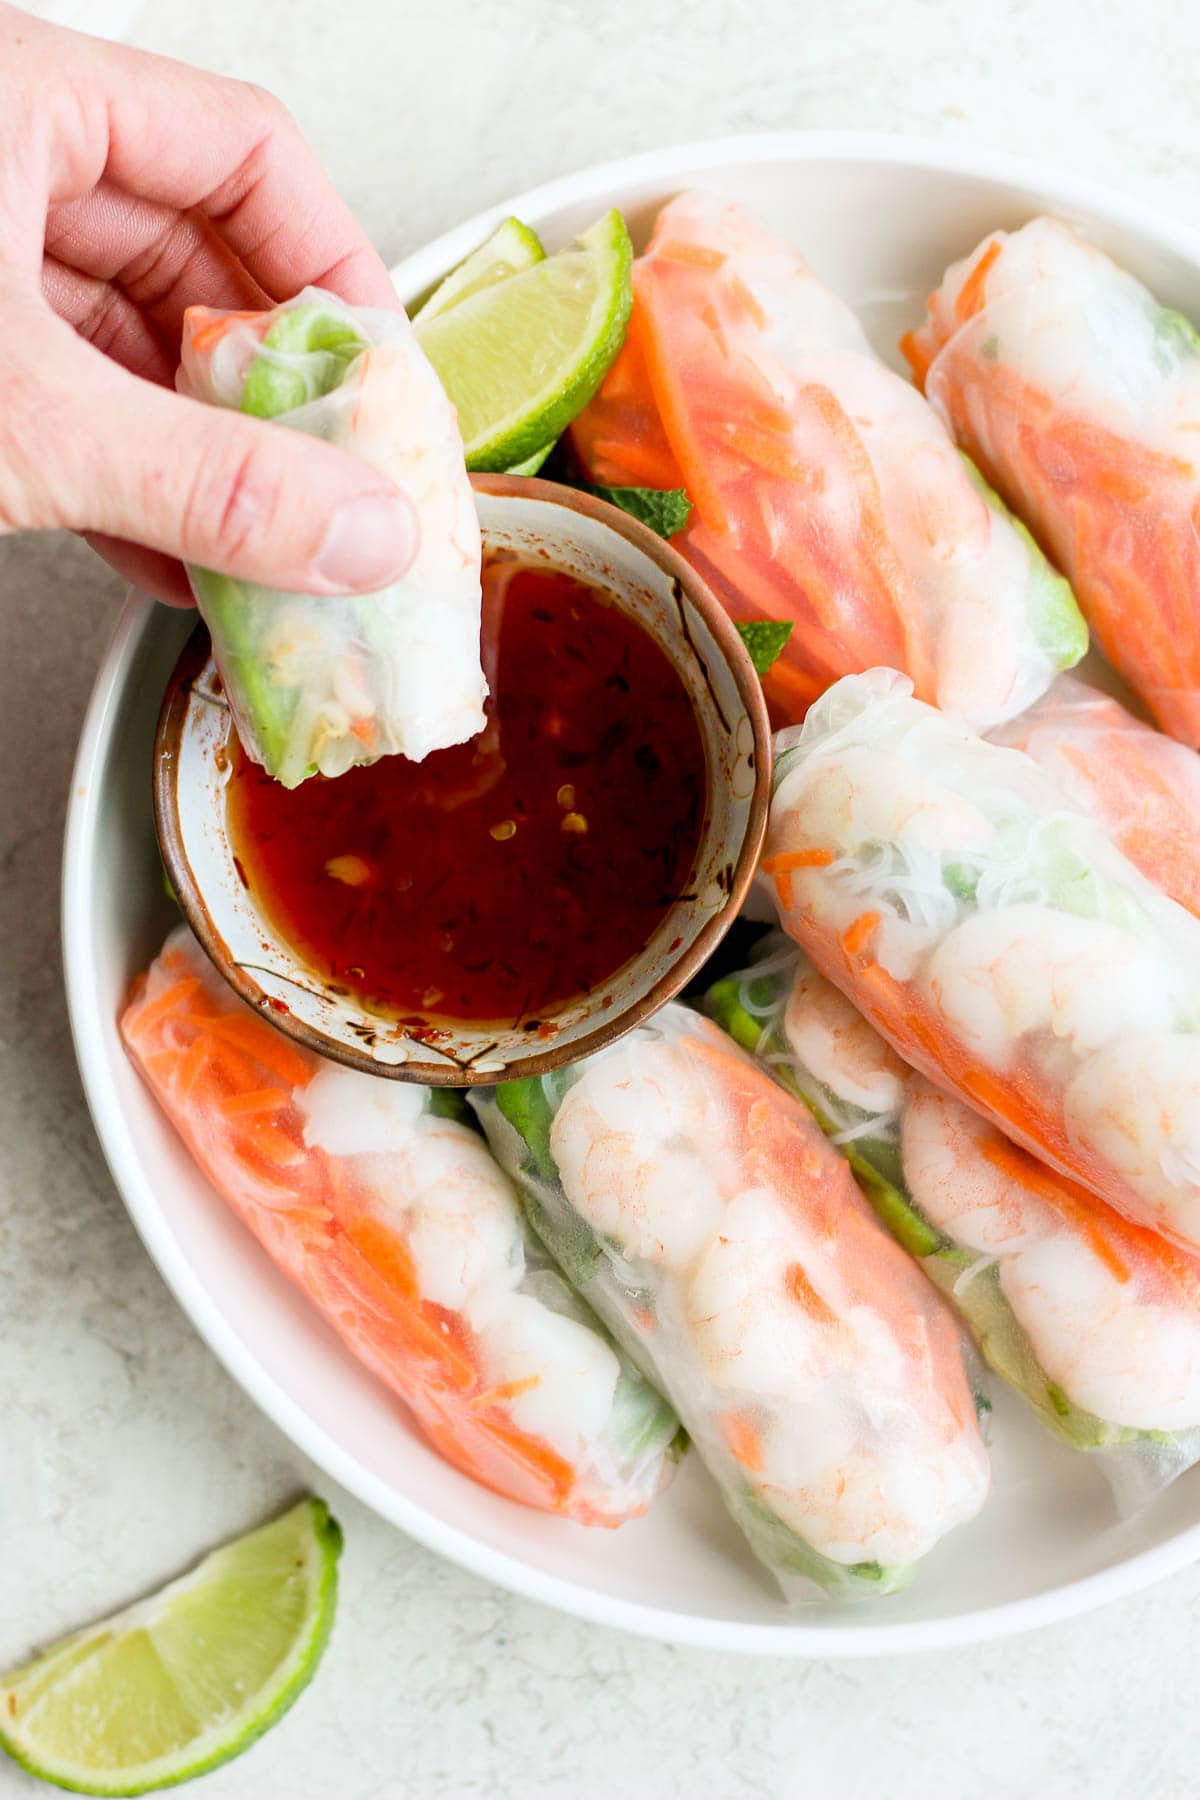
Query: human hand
{"points": [[132, 187]]}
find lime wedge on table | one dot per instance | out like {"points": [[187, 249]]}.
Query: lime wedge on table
{"points": [[188, 1678], [522, 357], [511, 248]]}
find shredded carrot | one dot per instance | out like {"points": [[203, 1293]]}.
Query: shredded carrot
{"points": [[802, 1290], [695, 256], [1070, 1201], [1022, 1109], [387, 1255], [668, 386], [534, 1455], [711, 320], [1127, 489], [625, 379], [972, 294], [1106, 1230], [265, 1044], [742, 294], [784, 861], [789, 690], [207, 336], [744, 1440], [152, 1012], [766, 452], [506, 1390], [408, 1330], [918, 354], [256, 1101], [229, 1069], [160, 1065], [263, 1139], [782, 866], [629, 464], [894, 585], [859, 934], [193, 1065]]}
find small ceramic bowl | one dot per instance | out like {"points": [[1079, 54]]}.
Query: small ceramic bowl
{"points": [[588, 538]]}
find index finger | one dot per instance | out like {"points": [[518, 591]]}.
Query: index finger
{"points": [[186, 138]]}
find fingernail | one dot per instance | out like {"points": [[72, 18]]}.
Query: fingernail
{"points": [[370, 542]]}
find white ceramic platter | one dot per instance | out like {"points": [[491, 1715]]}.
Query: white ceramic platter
{"points": [[879, 218]]}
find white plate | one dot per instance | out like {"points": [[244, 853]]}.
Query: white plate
{"points": [[879, 218]]}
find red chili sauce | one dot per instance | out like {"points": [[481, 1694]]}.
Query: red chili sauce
{"points": [[496, 879]]}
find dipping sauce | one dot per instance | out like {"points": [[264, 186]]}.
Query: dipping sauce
{"points": [[499, 878]]}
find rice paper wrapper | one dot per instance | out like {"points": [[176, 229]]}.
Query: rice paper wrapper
{"points": [[1078, 394], [825, 490], [382, 1203], [996, 936], [702, 1215], [1081, 1313], [1142, 785], [318, 684]]}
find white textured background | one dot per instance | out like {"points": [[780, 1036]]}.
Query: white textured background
{"points": [[124, 1448]]}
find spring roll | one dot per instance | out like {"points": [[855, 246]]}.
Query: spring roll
{"points": [[1078, 395], [318, 684], [701, 1213], [998, 939], [1142, 785], [825, 491], [1093, 1321], [382, 1204]]}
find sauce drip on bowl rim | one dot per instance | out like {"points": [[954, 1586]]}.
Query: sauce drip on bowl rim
{"points": [[500, 879]]}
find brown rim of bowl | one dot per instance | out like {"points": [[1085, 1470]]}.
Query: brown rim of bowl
{"points": [[168, 735]]}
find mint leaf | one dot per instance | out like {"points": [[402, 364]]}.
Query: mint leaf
{"points": [[764, 639], [664, 510]]}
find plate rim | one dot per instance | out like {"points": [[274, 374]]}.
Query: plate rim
{"points": [[789, 1638]]}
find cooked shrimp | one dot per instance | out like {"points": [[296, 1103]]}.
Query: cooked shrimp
{"points": [[844, 823], [846, 800], [811, 1362], [760, 1305], [561, 1376], [751, 1336], [642, 1149], [977, 1203], [1130, 1357], [434, 1181], [999, 976], [1112, 1314], [1149, 1130], [1001, 968], [855, 1507], [834, 1043]]}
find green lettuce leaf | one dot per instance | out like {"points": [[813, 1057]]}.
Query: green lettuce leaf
{"points": [[664, 510], [765, 640]]}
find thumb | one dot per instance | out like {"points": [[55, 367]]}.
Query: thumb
{"points": [[86, 445]]}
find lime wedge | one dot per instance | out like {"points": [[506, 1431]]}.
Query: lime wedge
{"points": [[511, 248], [522, 357], [188, 1678], [533, 463]]}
